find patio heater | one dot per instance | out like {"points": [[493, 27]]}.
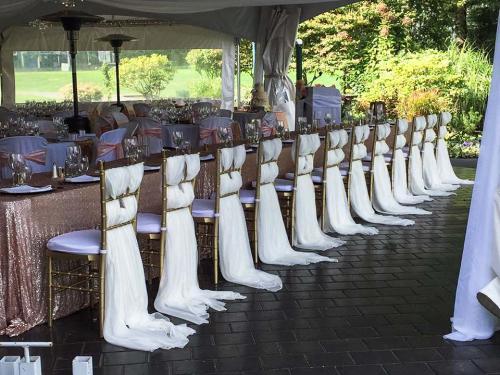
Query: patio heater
{"points": [[116, 41], [72, 21]]}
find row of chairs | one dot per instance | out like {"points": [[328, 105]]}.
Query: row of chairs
{"points": [[90, 245]]}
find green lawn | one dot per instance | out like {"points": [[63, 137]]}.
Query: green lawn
{"points": [[42, 85]]}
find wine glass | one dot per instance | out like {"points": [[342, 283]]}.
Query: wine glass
{"points": [[178, 138], [224, 135], [280, 128], [130, 149], [17, 164], [84, 165], [302, 123], [328, 119]]}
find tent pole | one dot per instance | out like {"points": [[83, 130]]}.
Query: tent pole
{"points": [[117, 73], [238, 73]]}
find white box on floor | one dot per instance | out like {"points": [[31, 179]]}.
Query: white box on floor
{"points": [[9, 365], [33, 367], [82, 365]]}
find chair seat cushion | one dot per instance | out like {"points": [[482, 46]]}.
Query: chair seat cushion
{"points": [[317, 178], [83, 242], [247, 196], [204, 208], [387, 157], [283, 185], [148, 223]]}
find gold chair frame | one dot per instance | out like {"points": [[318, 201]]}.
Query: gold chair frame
{"points": [[92, 276]]}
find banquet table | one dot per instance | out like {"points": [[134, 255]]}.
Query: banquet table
{"points": [[29, 221], [190, 133]]}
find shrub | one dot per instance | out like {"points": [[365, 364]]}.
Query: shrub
{"points": [[457, 79], [86, 92], [206, 88], [207, 62], [147, 75]]}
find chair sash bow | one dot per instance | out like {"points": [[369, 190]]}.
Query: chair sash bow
{"points": [[104, 148], [151, 132], [209, 133], [37, 156]]}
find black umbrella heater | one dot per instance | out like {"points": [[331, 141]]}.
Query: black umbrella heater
{"points": [[72, 22], [116, 41]]}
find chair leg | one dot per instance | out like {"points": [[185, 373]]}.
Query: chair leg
{"points": [[102, 301], [49, 318], [216, 254]]}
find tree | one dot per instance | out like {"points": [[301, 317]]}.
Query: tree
{"points": [[207, 62], [148, 75]]}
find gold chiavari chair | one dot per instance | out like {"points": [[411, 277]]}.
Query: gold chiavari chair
{"points": [[154, 226], [88, 248], [206, 215]]}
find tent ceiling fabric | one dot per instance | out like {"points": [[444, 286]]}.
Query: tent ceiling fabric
{"points": [[239, 18]]}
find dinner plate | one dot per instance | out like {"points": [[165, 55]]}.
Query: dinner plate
{"points": [[151, 168], [288, 141], [26, 189], [207, 157], [82, 179]]}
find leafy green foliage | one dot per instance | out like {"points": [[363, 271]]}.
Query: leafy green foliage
{"points": [[207, 62], [206, 88], [147, 75], [109, 82], [86, 93]]}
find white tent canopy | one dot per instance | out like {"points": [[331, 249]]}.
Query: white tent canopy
{"points": [[149, 37], [272, 24]]}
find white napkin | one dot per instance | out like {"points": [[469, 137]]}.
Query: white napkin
{"points": [[26, 189], [82, 179], [151, 167], [207, 157]]}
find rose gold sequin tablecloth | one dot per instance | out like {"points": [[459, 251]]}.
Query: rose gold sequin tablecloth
{"points": [[29, 221]]}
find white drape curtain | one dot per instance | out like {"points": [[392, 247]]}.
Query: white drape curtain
{"points": [[227, 74], [277, 38], [471, 320]]}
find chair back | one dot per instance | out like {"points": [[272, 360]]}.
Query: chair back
{"points": [[151, 132], [46, 126], [209, 128], [34, 150], [269, 124], [109, 145], [225, 113], [178, 178], [199, 109], [120, 119], [141, 109], [63, 114]]}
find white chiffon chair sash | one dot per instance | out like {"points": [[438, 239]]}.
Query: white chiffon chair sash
{"points": [[429, 165], [383, 199], [338, 215], [416, 180], [399, 175], [360, 200], [127, 322], [274, 247], [308, 233], [179, 293], [446, 172], [235, 257]]}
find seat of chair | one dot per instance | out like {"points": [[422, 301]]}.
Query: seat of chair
{"points": [[344, 167], [317, 178], [247, 196], [148, 222], [203, 208], [283, 185], [387, 157], [81, 242]]}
